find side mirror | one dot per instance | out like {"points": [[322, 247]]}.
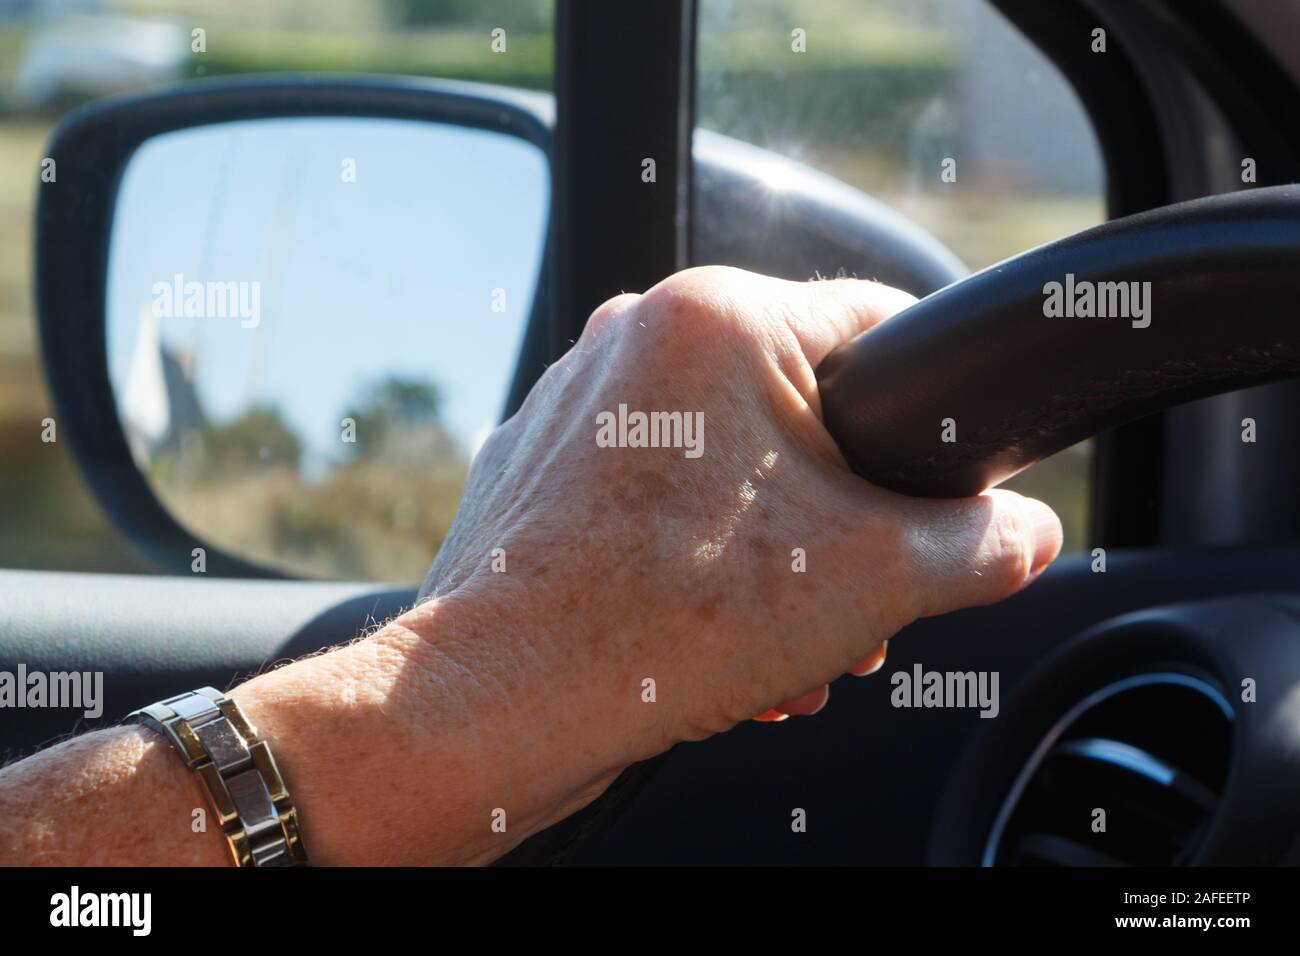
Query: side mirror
{"points": [[251, 291]]}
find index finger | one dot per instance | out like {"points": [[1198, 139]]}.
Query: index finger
{"points": [[837, 310]]}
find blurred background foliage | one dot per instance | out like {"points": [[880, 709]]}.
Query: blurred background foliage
{"points": [[389, 498], [887, 88]]}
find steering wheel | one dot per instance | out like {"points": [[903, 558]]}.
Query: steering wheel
{"points": [[988, 375]]}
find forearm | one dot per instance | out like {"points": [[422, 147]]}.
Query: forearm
{"points": [[114, 797], [389, 747]]}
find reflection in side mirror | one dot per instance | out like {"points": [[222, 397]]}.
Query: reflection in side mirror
{"points": [[313, 323]]}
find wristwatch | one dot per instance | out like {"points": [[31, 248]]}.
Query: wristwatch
{"points": [[238, 773]]}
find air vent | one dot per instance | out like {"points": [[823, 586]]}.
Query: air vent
{"points": [[1150, 753]]}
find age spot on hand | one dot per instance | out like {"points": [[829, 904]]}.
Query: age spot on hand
{"points": [[648, 491]]}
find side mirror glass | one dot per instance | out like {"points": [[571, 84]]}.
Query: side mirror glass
{"points": [[312, 322]]}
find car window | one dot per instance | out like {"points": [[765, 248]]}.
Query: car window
{"points": [[57, 56], [938, 108]]}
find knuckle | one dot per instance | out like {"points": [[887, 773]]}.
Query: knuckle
{"points": [[697, 301], [609, 311], [494, 455], [500, 440], [1010, 552]]}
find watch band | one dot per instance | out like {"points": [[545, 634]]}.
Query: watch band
{"points": [[239, 775]]}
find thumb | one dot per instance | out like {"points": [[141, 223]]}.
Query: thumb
{"points": [[978, 550]]}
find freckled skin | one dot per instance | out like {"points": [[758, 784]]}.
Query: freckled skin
{"points": [[708, 609], [767, 588], [646, 491]]}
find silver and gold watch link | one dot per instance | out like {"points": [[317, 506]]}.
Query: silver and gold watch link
{"points": [[239, 775]]}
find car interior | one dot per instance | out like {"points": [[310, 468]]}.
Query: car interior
{"points": [[1155, 667]]}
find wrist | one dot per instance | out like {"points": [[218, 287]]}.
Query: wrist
{"points": [[526, 744], [339, 725], [408, 746]]}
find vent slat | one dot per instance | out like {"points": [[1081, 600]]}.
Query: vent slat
{"points": [[1122, 756]]}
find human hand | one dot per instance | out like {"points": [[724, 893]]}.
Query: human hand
{"points": [[740, 572]]}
